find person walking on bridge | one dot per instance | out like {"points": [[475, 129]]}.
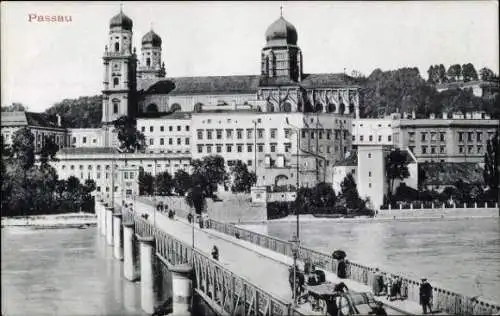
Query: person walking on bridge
{"points": [[426, 296]]}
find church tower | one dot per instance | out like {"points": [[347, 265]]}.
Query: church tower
{"points": [[119, 70], [281, 57], [120, 64], [150, 65]]}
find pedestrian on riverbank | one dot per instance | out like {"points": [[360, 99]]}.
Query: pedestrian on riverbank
{"points": [[426, 296]]}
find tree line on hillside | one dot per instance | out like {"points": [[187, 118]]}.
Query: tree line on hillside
{"points": [[33, 188], [382, 92], [404, 90]]}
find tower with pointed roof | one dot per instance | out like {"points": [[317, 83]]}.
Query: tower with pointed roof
{"points": [[281, 57], [150, 65]]}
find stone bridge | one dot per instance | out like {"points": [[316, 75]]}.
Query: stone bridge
{"points": [[171, 257]]}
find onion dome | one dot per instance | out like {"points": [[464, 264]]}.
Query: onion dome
{"points": [[121, 20], [281, 32], [151, 38]]}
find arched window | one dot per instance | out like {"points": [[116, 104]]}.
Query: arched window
{"points": [[287, 107], [116, 81], [198, 107], [148, 62], [318, 108], [341, 108], [152, 108], [116, 105], [331, 108], [280, 180], [175, 107], [351, 108], [117, 47]]}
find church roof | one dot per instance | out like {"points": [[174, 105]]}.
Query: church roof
{"points": [[281, 33], [166, 115], [236, 84], [121, 20], [201, 85]]}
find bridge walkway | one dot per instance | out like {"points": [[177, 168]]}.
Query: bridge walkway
{"points": [[264, 267]]}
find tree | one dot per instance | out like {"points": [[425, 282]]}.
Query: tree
{"points": [[454, 72], [182, 182], [23, 147], [323, 197], [469, 72], [243, 180], [211, 171], [349, 193], [129, 137], [432, 75], [15, 106], [49, 150], [396, 167], [196, 198], [146, 183], [491, 163], [84, 112], [486, 74], [303, 201], [164, 183], [441, 73]]}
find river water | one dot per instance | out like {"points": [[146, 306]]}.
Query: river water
{"points": [[63, 272], [462, 255]]}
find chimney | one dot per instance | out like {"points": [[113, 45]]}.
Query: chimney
{"points": [[58, 120]]}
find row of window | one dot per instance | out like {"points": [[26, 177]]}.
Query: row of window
{"points": [[441, 136], [442, 149], [170, 141], [370, 138], [260, 148], [230, 133], [84, 140], [470, 136], [162, 128]]}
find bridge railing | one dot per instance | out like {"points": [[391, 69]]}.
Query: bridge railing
{"points": [[445, 300], [234, 294]]}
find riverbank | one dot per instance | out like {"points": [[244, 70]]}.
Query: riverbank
{"points": [[415, 215], [69, 220]]}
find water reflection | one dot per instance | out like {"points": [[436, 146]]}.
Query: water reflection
{"points": [[461, 255], [72, 272]]}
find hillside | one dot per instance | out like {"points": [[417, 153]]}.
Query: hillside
{"points": [[84, 112]]}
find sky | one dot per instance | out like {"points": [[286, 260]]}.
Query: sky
{"points": [[45, 62]]}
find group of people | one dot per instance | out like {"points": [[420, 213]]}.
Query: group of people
{"points": [[392, 287], [395, 288]]}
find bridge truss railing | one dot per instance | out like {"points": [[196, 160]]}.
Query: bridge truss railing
{"points": [[233, 294], [444, 300]]}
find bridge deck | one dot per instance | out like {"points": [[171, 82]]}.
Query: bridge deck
{"points": [[263, 267]]}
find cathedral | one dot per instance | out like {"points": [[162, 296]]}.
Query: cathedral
{"points": [[135, 83]]}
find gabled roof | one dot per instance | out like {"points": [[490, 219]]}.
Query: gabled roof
{"points": [[32, 119], [310, 81], [87, 150]]}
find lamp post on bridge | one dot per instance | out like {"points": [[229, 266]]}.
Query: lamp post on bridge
{"points": [[295, 238]]}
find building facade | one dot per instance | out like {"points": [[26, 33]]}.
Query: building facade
{"points": [[40, 125], [462, 138]]}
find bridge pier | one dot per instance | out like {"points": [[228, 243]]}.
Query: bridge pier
{"points": [[109, 225], [103, 218], [147, 273], [128, 252], [182, 289], [117, 236]]}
